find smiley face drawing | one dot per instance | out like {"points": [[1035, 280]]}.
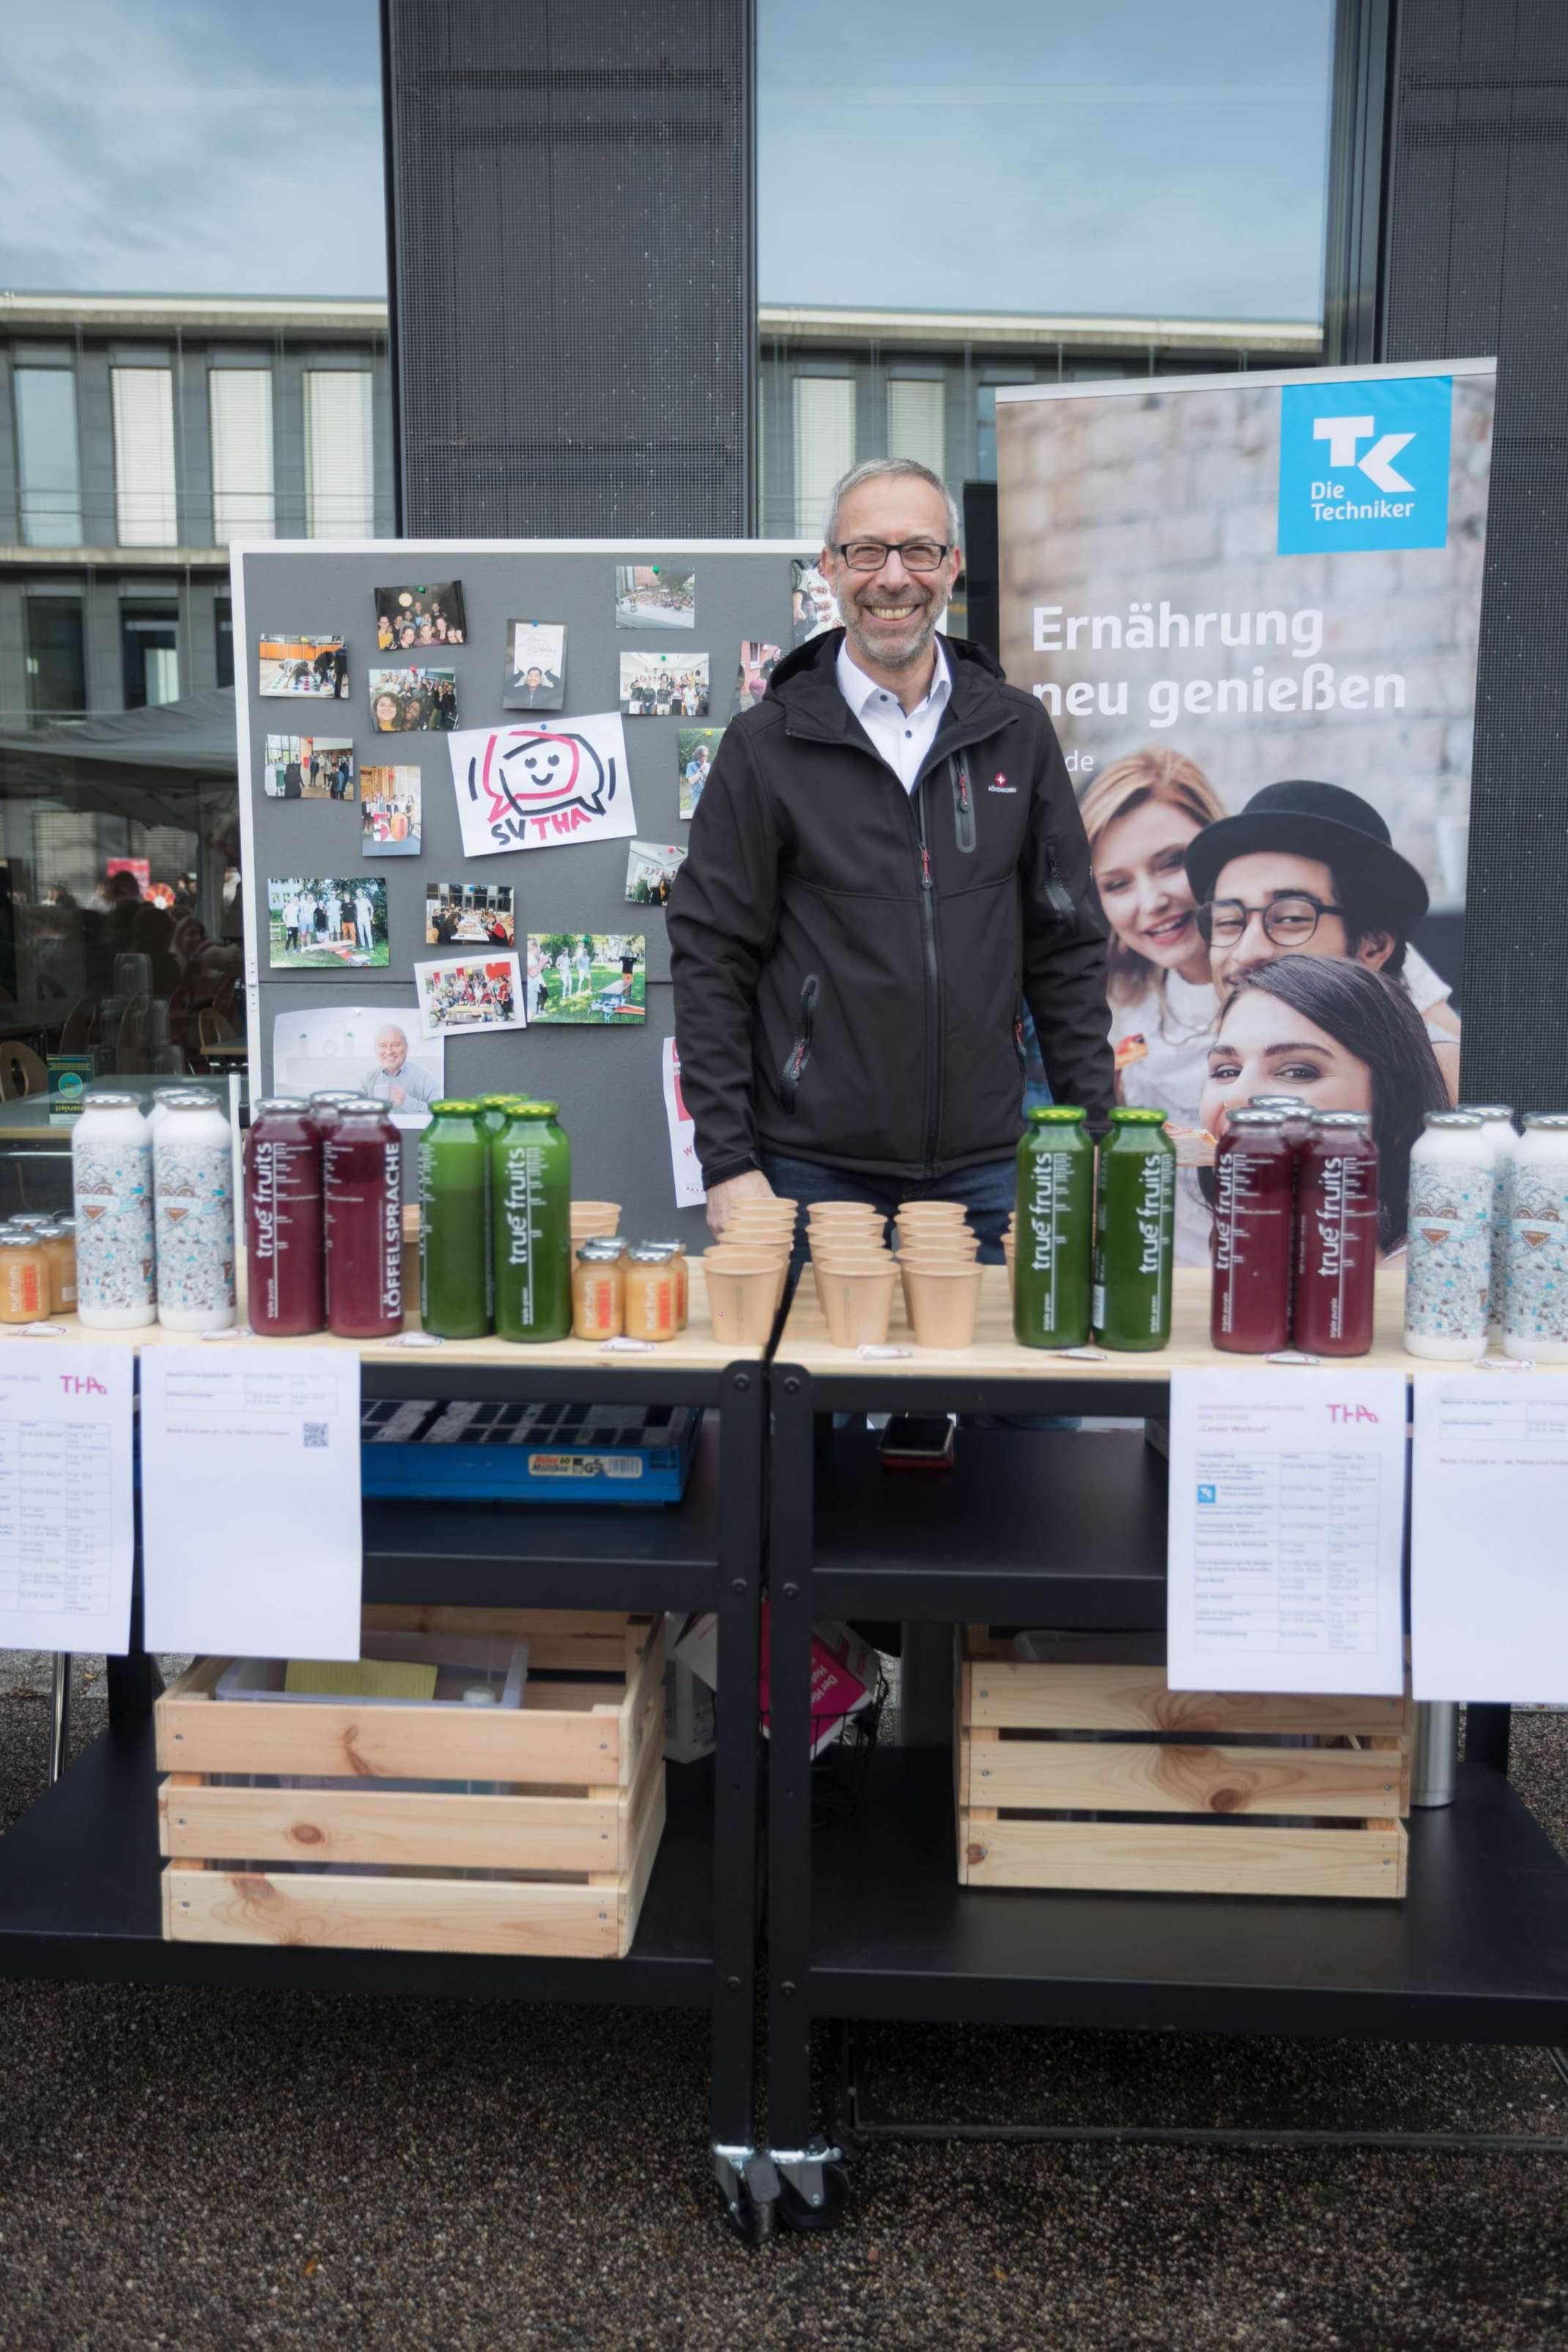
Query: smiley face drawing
{"points": [[537, 771]]}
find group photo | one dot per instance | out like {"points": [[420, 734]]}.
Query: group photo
{"points": [[308, 767], [655, 596], [318, 924], [316, 667], [486, 993], [390, 805], [468, 914], [585, 976], [406, 617], [651, 870], [408, 701], [664, 685]]}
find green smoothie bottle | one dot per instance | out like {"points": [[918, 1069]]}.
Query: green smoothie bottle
{"points": [[1135, 1230], [1054, 1246], [455, 1221], [531, 1210], [494, 1110]]}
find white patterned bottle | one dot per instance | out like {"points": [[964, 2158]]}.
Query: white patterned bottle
{"points": [[1448, 1237], [1497, 1120], [112, 1176], [1535, 1294], [193, 1159]]}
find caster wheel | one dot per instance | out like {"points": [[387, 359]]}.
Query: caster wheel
{"points": [[750, 2222], [797, 2213]]}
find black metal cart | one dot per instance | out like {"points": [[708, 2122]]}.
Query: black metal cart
{"points": [[79, 1872], [867, 1919]]}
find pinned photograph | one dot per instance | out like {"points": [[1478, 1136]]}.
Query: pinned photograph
{"points": [[813, 605], [756, 668], [310, 666], [405, 701], [483, 992], [664, 685], [308, 767], [536, 787], [535, 665], [695, 749], [390, 799], [655, 596], [589, 977], [318, 922], [651, 868], [469, 915], [406, 618], [363, 1049]]}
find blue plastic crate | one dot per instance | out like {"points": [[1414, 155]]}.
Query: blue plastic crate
{"points": [[488, 1453]]}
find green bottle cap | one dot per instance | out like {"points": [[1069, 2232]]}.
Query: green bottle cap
{"points": [[1128, 1117], [520, 1109], [497, 1102], [1057, 1115], [451, 1103]]}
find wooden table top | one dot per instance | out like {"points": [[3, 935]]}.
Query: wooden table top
{"points": [[996, 1354]]}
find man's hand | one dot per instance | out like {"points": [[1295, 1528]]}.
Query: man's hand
{"points": [[397, 1096], [721, 1198]]}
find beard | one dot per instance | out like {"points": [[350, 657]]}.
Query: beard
{"points": [[899, 652]]}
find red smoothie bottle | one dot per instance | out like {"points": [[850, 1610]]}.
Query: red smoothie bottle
{"points": [[1336, 1236], [284, 1245], [1249, 1313], [325, 1105], [363, 1157]]}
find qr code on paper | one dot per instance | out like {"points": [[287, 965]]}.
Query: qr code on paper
{"points": [[316, 1433]]}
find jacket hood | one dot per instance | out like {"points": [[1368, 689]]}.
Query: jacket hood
{"points": [[823, 652]]}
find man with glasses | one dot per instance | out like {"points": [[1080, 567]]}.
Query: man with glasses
{"points": [[886, 855], [1310, 869]]}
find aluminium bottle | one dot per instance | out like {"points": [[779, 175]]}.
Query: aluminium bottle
{"points": [[1333, 1298], [1454, 1177], [1535, 1297], [455, 1296], [1254, 1172], [1053, 1255], [531, 1216], [362, 1160], [111, 1178], [1135, 1228], [284, 1240], [193, 1218]]}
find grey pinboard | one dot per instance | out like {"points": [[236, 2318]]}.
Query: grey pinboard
{"points": [[607, 1081]]}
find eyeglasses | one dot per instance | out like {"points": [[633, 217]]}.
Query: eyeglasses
{"points": [[1289, 923], [870, 554]]}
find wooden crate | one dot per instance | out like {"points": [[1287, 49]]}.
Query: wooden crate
{"points": [[577, 1838], [1210, 1808]]}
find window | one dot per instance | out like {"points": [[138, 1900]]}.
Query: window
{"points": [[240, 406], [340, 481], [144, 507], [48, 465], [917, 421], [57, 664], [223, 628], [824, 443], [150, 643]]}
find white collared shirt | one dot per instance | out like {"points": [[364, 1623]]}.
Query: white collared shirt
{"points": [[902, 737]]}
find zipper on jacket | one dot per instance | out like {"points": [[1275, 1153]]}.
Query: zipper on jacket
{"points": [[963, 804], [1058, 896], [933, 990], [800, 1051]]}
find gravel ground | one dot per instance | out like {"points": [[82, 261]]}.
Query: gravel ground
{"points": [[196, 2170]]}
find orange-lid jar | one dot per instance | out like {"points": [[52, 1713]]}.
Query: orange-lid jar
{"points": [[24, 1278], [650, 1293], [598, 1292], [676, 1253]]}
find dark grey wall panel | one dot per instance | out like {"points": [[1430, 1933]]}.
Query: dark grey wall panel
{"points": [[574, 277], [606, 1080], [1476, 242]]}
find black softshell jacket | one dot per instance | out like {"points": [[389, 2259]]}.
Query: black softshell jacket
{"points": [[849, 958]]}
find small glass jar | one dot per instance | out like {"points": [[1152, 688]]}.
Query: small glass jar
{"points": [[24, 1277], [676, 1253], [58, 1238], [598, 1292], [650, 1293]]}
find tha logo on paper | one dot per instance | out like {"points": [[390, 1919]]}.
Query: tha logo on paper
{"points": [[539, 784]]}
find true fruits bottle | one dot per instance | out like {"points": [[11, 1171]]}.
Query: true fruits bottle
{"points": [[455, 1221], [285, 1242], [650, 1294], [531, 1213], [192, 1188], [1254, 1172], [1454, 1181], [325, 1105], [24, 1277], [111, 1178], [58, 1238], [1135, 1223], [676, 1251], [363, 1187], [1332, 1311], [1052, 1259], [598, 1291]]}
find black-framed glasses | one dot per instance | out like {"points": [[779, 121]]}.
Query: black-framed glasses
{"points": [[1288, 920], [870, 554]]}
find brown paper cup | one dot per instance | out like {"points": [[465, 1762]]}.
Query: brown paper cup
{"points": [[868, 1304], [743, 1306], [943, 1305], [594, 1218]]}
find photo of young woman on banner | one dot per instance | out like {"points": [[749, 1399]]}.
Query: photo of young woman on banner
{"points": [[1260, 661]]}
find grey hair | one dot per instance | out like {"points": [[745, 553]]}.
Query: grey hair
{"points": [[876, 469]]}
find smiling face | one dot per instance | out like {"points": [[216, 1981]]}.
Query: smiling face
{"points": [[890, 616], [385, 711], [1265, 1048], [1142, 877], [1257, 881], [392, 1051]]}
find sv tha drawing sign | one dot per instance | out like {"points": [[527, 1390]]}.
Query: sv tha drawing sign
{"points": [[536, 787]]}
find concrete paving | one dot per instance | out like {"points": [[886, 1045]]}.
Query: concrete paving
{"points": [[192, 2170]]}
